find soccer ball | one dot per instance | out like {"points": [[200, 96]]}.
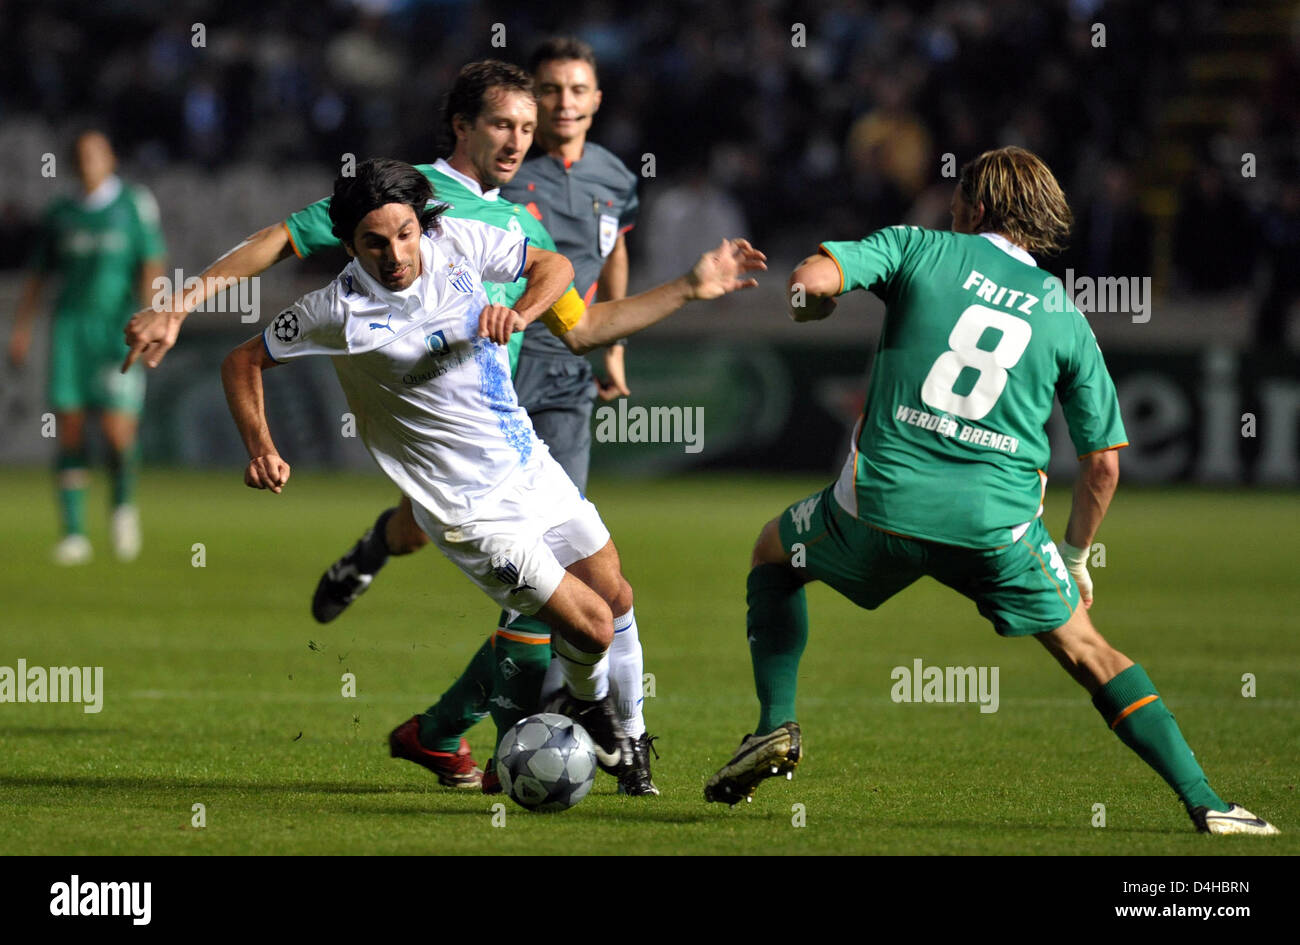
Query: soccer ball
{"points": [[546, 762]]}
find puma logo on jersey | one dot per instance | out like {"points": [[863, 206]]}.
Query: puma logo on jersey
{"points": [[385, 325], [802, 513]]}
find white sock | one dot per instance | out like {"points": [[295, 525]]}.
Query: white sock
{"points": [[625, 681], [585, 674]]}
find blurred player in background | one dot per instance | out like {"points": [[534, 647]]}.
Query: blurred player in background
{"points": [[410, 332], [945, 478], [106, 248]]}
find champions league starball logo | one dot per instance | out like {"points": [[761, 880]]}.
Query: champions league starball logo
{"points": [[285, 327]]}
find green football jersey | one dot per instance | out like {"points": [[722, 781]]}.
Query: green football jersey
{"points": [[98, 253], [976, 343], [310, 232]]}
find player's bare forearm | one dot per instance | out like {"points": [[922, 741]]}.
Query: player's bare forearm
{"points": [[29, 300], [610, 287], [812, 288], [716, 273], [612, 284], [549, 275], [20, 338], [1094, 487], [249, 258], [152, 331], [241, 376], [151, 273], [606, 322]]}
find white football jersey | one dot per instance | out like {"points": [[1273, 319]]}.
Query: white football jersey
{"points": [[433, 402]]}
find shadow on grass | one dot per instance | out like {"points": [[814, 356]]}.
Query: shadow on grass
{"points": [[590, 816], [78, 731], [422, 802], [983, 826], [108, 783]]}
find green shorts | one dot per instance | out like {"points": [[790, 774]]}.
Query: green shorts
{"points": [[85, 368], [1022, 589]]}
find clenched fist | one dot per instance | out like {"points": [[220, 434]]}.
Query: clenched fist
{"points": [[267, 472], [499, 322]]}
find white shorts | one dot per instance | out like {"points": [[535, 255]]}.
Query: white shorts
{"points": [[517, 549]]}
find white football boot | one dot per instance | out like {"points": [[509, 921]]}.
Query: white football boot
{"points": [[125, 528], [73, 550], [1236, 819]]}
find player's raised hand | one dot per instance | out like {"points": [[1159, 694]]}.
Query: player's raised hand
{"points": [[722, 270], [267, 472], [150, 334], [499, 322]]}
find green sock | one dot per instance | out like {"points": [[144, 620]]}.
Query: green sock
{"points": [[778, 631], [519, 671], [124, 468], [462, 705], [1135, 712], [72, 477]]}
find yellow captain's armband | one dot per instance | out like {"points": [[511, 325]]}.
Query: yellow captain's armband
{"points": [[565, 313]]}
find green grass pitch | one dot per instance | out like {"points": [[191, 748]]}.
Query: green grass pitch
{"points": [[220, 690]]}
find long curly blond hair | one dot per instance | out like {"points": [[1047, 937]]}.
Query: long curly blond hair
{"points": [[1021, 198]]}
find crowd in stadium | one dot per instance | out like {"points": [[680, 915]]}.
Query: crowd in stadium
{"points": [[834, 124]]}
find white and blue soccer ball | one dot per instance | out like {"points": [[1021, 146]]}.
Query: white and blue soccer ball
{"points": [[546, 762]]}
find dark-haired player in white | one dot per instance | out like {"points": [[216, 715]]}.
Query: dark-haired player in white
{"points": [[419, 351]]}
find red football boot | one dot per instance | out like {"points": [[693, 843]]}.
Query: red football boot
{"points": [[454, 769]]}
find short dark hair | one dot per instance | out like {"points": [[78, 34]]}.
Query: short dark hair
{"points": [[473, 83], [562, 48], [381, 181]]}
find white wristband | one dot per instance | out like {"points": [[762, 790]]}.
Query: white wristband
{"points": [[1072, 556]]}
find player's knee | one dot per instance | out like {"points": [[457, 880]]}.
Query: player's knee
{"points": [[71, 431], [412, 540], [767, 548], [1084, 652], [401, 534], [596, 623], [621, 602]]}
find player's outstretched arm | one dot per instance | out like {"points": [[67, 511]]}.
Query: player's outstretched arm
{"points": [[241, 376], [812, 288], [716, 273], [152, 332], [1094, 487]]}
